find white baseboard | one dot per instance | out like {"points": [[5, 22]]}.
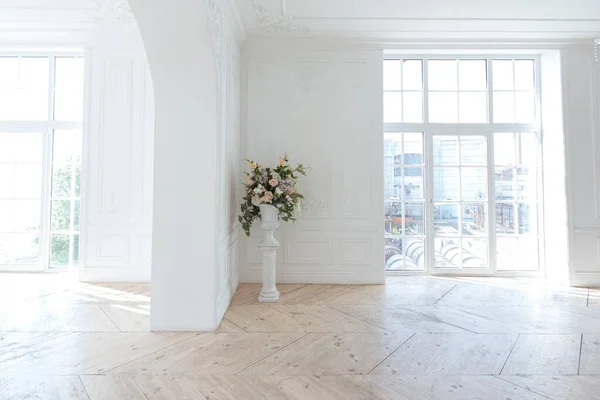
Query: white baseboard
{"points": [[318, 277], [585, 279], [114, 274]]}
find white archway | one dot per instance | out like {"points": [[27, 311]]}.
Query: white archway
{"points": [[179, 44]]}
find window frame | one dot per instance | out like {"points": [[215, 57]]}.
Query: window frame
{"points": [[46, 128], [488, 129]]}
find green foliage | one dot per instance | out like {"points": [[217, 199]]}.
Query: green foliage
{"points": [[274, 186]]}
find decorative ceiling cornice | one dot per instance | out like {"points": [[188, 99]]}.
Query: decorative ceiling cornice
{"points": [[271, 23], [114, 11]]}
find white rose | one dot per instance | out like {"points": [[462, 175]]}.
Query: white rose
{"points": [[278, 192], [256, 201]]}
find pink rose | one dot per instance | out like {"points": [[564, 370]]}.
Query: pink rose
{"points": [[268, 197], [273, 182]]}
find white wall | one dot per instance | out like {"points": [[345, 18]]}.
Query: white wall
{"points": [[324, 108], [581, 87], [228, 156], [555, 221], [193, 54]]}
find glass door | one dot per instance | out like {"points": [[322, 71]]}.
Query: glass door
{"points": [[460, 202]]}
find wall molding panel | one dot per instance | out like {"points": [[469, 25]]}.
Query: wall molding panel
{"points": [[581, 82], [118, 161]]}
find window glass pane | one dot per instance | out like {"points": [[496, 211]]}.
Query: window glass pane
{"points": [[7, 215], [34, 71], [504, 148], [66, 146], [527, 149], [473, 182], [445, 219], [24, 97], [413, 107], [505, 185], [61, 215], [77, 176], [503, 74], [505, 218], [517, 253], [76, 215], [28, 181], [392, 148], [414, 214], [75, 245], [68, 105], [7, 177], [61, 180], [392, 75], [413, 148], [527, 219], [474, 253], [474, 219], [19, 248], [394, 218], [524, 75], [527, 257], [473, 107], [447, 253], [26, 147], [69, 73], [524, 106], [443, 107], [414, 254], [445, 183], [504, 107], [59, 250], [68, 93], [472, 74], [526, 184], [9, 71], [413, 75], [445, 150], [443, 75], [473, 150], [392, 107], [26, 215], [413, 182]]}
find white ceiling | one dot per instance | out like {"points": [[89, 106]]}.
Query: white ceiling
{"points": [[403, 20], [424, 19]]}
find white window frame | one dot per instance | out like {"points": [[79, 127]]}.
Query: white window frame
{"points": [[46, 127], [480, 129]]}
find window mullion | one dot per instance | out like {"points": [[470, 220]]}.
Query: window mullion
{"points": [[425, 90], [490, 89], [491, 204]]}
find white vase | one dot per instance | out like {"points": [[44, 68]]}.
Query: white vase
{"points": [[269, 222]]}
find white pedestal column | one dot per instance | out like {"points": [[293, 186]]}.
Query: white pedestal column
{"points": [[269, 222]]}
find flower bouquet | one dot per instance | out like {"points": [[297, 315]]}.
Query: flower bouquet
{"points": [[277, 187]]}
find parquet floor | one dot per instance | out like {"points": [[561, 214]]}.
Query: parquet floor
{"points": [[414, 338]]}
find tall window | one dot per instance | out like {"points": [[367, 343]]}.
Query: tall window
{"points": [[461, 164], [41, 112]]}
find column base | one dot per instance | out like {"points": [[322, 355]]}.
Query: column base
{"points": [[268, 297]]}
